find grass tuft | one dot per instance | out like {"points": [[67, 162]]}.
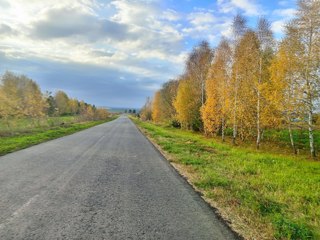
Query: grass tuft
{"points": [[286, 229]]}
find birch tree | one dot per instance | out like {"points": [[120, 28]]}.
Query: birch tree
{"points": [[198, 66], [306, 27], [157, 107], [187, 103], [247, 65], [215, 112], [146, 110], [190, 94], [239, 28], [62, 103], [11, 96], [265, 38], [284, 90], [21, 97], [34, 104], [168, 94]]}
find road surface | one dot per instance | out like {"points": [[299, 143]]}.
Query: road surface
{"points": [[106, 182]]}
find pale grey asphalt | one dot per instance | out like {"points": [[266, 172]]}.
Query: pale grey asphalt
{"points": [[107, 182]]}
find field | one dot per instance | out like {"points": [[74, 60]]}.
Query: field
{"points": [[262, 195], [22, 133], [24, 125]]}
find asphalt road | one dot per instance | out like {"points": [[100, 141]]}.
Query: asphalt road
{"points": [[107, 182]]}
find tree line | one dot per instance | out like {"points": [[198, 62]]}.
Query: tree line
{"points": [[21, 97], [249, 82]]}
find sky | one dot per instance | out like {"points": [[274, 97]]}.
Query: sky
{"points": [[116, 53]]}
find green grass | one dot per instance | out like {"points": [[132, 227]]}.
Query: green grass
{"points": [[269, 196], [28, 137], [279, 141], [23, 125], [301, 138]]}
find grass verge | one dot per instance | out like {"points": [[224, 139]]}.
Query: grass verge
{"points": [[262, 195], [23, 140]]}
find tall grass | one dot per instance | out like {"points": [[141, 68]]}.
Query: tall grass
{"points": [[22, 125]]}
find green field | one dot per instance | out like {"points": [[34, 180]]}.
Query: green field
{"points": [[25, 125], [263, 195], [24, 133]]}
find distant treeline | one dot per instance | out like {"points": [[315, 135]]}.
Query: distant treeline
{"points": [[249, 83], [21, 97], [133, 111]]}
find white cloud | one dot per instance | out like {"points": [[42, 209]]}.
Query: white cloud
{"points": [[286, 3], [278, 26], [207, 25], [74, 31], [133, 12], [286, 12], [171, 15], [226, 29], [250, 7], [201, 18], [282, 17]]}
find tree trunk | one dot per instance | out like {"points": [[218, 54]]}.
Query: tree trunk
{"points": [[234, 134], [202, 92], [291, 139], [310, 95], [311, 140], [258, 122], [222, 130], [258, 106]]}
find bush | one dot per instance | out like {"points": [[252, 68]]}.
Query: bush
{"points": [[175, 123]]}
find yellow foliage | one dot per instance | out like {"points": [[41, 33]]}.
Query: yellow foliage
{"points": [[284, 92], [217, 106], [187, 102], [157, 107], [73, 106], [20, 96], [101, 114], [146, 110]]}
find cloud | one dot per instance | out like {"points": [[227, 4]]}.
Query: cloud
{"points": [[283, 16], [200, 23], [249, 7], [69, 22], [5, 29], [286, 12], [78, 32], [139, 13], [91, 83], [102, 53], [282, 3], [201, 18], [278, 26], [207, 25], [171, 15], [4, 4]]}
